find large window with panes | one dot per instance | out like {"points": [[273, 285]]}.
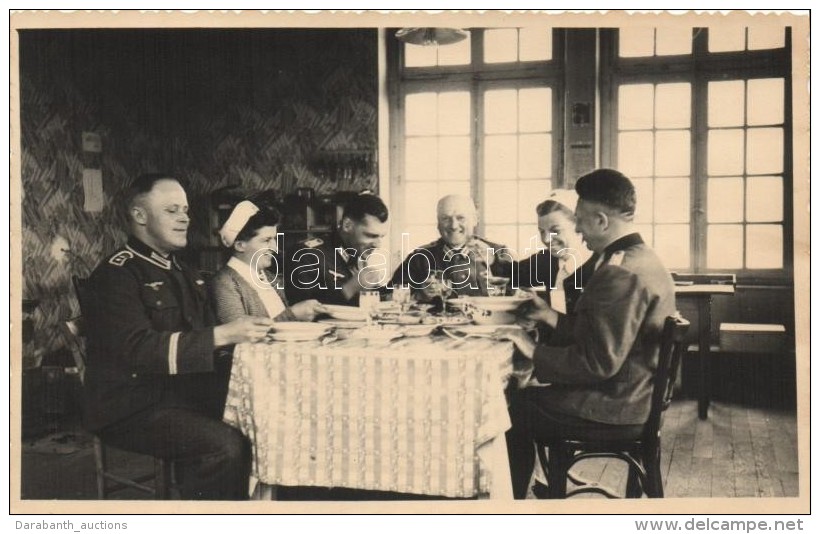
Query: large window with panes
{"points": [[699, 118], [475, 118]]}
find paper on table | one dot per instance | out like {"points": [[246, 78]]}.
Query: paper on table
{"points": [[92, 187]]}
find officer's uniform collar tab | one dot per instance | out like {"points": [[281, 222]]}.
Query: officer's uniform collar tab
{"points": [[146, 253], [623, 243]]}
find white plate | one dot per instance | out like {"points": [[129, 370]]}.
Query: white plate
{"points": [[345, 313], [418, 330], [377, 332], [447, 320], [408, 318], [388, 307], [343, 324], [292, 337], [298, 326], [298, 331], [295, 336], [458, 303], [497, 303], [480, 330]]}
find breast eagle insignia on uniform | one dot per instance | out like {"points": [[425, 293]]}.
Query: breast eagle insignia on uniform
{"points": [[120, 258], [154, 285], [312, 243]]}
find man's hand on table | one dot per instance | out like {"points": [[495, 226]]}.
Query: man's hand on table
{"points": [[522, 340], [365, 279], [242, 330], [542, 312]]}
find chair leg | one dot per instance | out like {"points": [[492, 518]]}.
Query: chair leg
{"points": [[99, 467], [634, 489], [654, 481], [558, 465], [543, 460]]}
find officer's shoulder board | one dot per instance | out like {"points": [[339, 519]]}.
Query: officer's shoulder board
{"points": [[481, 242], [312, 243], [495, 246], [617, 258], [431, 244], [120, 258]]}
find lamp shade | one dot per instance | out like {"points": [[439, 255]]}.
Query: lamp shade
{"points": [[431, 36]]}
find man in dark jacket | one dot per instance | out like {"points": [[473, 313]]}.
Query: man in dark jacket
{"points": [[336, 270], [152, 372], [604, 375]]}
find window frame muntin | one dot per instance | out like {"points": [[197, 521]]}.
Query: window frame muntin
{"points": [[699, 68], [478, 76]]}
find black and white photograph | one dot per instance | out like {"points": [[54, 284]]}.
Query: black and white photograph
{"points": [[468, 262]]}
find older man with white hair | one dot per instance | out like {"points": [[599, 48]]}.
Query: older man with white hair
{"points": [[460, 260]]}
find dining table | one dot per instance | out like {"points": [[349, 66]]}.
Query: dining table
{"points": [[421, 415]]}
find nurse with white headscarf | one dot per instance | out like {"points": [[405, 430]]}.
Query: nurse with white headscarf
{"points": [[557, 269], [560, 270], [249, 284]]}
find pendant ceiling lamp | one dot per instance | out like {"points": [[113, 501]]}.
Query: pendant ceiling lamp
{"points": [[431, 36]]}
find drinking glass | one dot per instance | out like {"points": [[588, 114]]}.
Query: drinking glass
{"points": [[401, 296], [369, 302], [497, 286]]}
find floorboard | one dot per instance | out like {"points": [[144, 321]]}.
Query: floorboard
{"points": [[738, 451]]}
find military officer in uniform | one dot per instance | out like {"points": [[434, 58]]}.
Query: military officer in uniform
{"points": [[152, 368], [337, 270], [604, 374], [459, 260]]}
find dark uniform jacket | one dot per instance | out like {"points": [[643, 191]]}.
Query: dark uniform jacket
{"points": [[457, 264], [150, 336], [605, 374], [317, 270]]}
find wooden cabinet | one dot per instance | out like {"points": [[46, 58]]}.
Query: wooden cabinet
{"points": [[304, 216]]}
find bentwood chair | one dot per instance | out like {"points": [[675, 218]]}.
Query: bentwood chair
{"points": [[637, 445], [107, 480]]}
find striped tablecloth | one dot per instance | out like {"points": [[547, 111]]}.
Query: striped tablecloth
{"points": [[417, 415]]}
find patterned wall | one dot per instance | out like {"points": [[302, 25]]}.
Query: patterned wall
{"points": [[251, 108]]}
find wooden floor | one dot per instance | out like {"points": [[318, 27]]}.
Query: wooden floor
{"points": [[737, 452]]}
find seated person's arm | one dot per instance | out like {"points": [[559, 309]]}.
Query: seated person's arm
{"points": [[123, 328], [604, 328], [305, 310], [606, 323]]}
